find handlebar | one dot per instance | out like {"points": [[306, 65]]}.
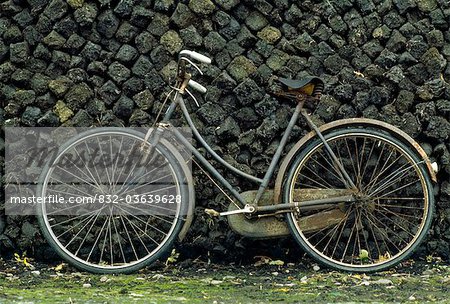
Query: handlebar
{"points": [[196, 56], [196, 86]]}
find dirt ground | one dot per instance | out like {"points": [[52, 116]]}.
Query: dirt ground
{"points": [[199, 282]]}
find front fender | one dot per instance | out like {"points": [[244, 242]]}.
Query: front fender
{"points": [[350, 122]]}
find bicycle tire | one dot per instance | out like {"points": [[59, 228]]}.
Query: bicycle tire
{"points": [[388, 221], [136, 238]]}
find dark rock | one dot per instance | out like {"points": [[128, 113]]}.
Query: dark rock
{"points": [[404, 101], [231, 30], [397, 42], [142, 67], [439, 129], [124, 8], [221, 18], [118, 72], [164, 5], [140, 118], [66, 27], [425, 111], [386, 59], [153, 81], [30, 116], [61, 60], [126, 32], [417, 73], [304, 43], [334, 64], [434, 61], [256, 21], [393, 20], [144, 100], [56, 9], [24, 18], [39, 83], [86, 14], [42, 52], [145, 42], [443, 106], [107, 24], [327, 107], [227, 4], [126, 53], [404, 5], [343, 92], [60, 86], [426, 6], [24, 97], [78, 95], [77, 75], [228, 129], [435, 38], [346, 111], [411, 125], [373, 48], [439, 19], [141, 16], [74, 43], [12, 34], [21, 77], [95, 107], [202, 7], [211, 113], [183, 17], [82, 119], [160, 57], [240, 68], [267, 130], [109, 92], [293, 15], [19, 52], [172, 42], [214, 42], [245, 38], [234, 49], [248, 92], [49, 119], [417, 46], [123, 107], [91, 51]]}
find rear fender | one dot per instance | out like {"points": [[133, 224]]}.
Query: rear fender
{"points": [[351, 122]]}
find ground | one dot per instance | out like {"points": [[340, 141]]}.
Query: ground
{"points": [[262, 282]]}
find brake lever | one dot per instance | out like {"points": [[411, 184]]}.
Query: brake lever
{"points": [[193, 97], [193, 64]]}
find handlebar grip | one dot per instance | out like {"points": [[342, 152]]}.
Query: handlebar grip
{"points": [[200, 57], [196, 86]]}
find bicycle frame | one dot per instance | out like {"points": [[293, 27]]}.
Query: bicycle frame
{"points": [[263, 183]]}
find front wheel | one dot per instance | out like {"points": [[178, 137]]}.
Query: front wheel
{"points": [[119, 208], [392, 211]]}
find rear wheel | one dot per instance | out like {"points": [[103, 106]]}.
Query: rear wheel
{"points": [[123, 208], [392, 211]]}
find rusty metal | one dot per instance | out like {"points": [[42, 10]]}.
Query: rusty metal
{"points": [[357, 122], [273, 227]]}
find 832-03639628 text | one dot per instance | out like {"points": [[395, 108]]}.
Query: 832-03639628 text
{"points": [[98, 198]]}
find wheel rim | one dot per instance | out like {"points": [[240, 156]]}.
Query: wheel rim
{"points": [[112, 236], [391, 208]]}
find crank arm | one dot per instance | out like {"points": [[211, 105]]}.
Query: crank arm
{"points": [[247, 209]]}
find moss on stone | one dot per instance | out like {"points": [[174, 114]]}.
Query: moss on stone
{"points": [[62, 111], [171, 42], [269, 34]]}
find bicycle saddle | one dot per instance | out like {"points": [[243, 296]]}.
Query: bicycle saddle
{"points": [[299, 89], [294, 84]]}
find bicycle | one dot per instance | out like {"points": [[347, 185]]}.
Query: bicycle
{"points": [[356, 194]]}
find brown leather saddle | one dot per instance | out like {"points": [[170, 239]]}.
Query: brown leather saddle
{"points": [[309, 88]]}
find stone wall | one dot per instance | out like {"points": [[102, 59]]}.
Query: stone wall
{"points": [[106, 63]]}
